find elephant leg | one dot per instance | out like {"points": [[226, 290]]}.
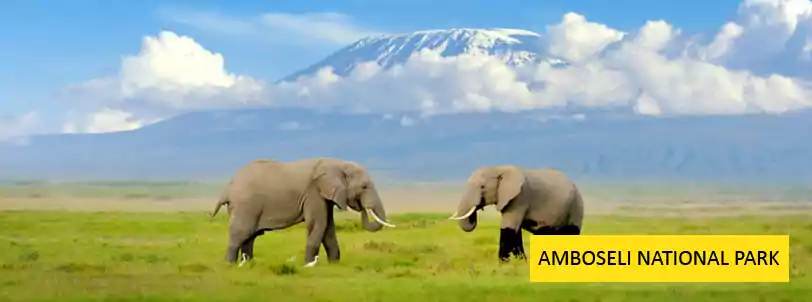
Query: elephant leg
{"points": [[510, 237], [507, 243], [237, 240], [247, 247], [330, 240], [231, 252], [240, 231], [518, 246], [315, 235], [511, 244]]}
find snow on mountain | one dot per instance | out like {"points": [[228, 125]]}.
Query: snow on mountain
{"points": [[609, 143], [515, 47]]}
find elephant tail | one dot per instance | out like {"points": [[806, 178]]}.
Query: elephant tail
{"points": [[217, 206], [222, 201]]}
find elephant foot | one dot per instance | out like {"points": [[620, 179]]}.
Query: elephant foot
{"points": [[519, 255], [504, 260], [518, 246], [232, 253]]}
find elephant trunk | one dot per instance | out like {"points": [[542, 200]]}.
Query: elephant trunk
{"points": [[372, 226], [373, 207], [468, 224], [466, 211]]}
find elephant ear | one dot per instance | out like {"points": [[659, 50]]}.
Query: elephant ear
{"points": [[331, 185], [511, 179]]}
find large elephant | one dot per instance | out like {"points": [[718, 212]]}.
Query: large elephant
{"points": [[267, 195], [540, 201]]}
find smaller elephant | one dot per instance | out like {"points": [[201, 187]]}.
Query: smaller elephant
{"points": [[268, 195], [540, 201]]}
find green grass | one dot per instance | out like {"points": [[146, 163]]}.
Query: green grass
{"points": [[50, 256]]}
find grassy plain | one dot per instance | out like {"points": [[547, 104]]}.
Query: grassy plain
{"points": [[154, 242]]}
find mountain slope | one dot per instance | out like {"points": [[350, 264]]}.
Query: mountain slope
{"points": [[513, 46], [756, 148]]}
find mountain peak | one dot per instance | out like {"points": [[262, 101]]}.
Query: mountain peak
{"points": [[515, 47], [500, 33]]}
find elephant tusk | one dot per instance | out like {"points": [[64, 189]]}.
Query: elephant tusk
{"points": [[466, 214], [379, 220]]}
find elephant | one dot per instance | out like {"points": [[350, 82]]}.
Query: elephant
{"points": [[540, 201], [267, 195]]}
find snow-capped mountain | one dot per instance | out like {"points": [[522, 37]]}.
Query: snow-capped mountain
{"points": [[515, 47], [607, 143]]}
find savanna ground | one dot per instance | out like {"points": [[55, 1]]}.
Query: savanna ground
{"points": [[153, 241]]}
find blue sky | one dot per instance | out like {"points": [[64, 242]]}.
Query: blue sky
{"points": [[65, 62], [48, 44]]}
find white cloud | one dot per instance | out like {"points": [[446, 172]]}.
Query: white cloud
{"points": [[14, 129], [332, 27], [290, 125], [171, 74], [766, 36], [105, 120], [328, 28], [427, 82], [406, 121], [656, 70], [575, 39], [579, 117], [173, 63]]}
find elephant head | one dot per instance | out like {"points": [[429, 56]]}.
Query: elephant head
{"points": [[491, 185], [348, 184]]}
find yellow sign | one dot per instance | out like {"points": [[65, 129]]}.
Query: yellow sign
{"points": [[659, 258]]}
